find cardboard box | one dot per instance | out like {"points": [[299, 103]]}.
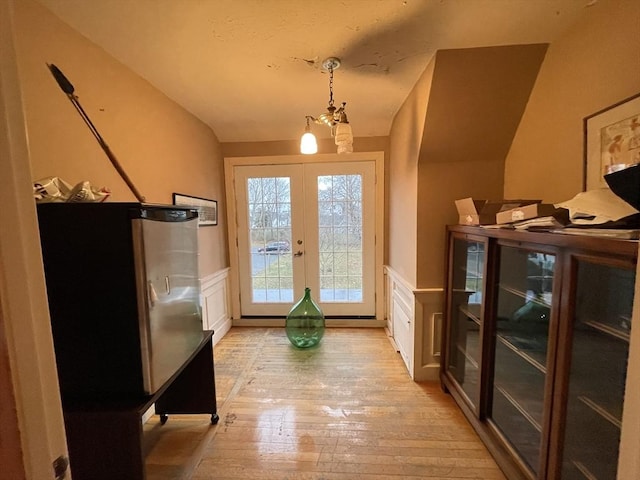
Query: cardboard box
{"points": [[525, 212], [483, 212]]}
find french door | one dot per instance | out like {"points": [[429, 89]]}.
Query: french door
{"points": [[306, 225]]}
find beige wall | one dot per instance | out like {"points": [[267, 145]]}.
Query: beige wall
{"points": [[449, 140], [476, 101], [405, 140], [594, 65], [163, 148]]}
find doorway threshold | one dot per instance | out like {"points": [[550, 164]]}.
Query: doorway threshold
{"points": [[342, 322]]}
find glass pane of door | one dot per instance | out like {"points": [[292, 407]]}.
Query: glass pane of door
{"points": [[521, 337], [599, 354], [467, 282], [269, 212], [340, 235]]}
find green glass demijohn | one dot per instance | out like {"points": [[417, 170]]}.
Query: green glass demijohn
{"points": [[305, 322]]}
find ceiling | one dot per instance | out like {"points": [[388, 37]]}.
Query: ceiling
{"points": [[252, 69]]}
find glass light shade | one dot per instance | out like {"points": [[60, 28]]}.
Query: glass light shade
{"points": [[308, 144], [344, 138], [344, 134], [345, 148]]}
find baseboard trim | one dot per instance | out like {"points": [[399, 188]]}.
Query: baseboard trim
{"points": [[332, 322], [427, 373]]}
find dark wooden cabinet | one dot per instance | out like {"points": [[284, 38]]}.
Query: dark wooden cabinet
{"points": [[105, 437], [535, 347]]}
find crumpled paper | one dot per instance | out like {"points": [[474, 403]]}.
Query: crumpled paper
{"points": [[54, 189]]}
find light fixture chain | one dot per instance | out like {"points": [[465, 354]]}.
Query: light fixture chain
{"points": [[334, 118], [330, 86]]}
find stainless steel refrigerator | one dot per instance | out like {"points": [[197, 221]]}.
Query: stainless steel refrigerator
{"points": [[124, 295]]}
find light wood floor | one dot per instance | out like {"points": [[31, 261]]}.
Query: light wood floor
{"points": [[344, 410]]}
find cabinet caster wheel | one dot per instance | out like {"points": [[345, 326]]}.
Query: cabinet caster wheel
{"points": [[163, 418], [214, 419]]}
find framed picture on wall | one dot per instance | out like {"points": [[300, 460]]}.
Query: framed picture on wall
{"points": [[611, 141], [207, 209]]}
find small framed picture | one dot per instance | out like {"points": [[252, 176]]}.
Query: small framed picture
{"points": [[207, 209], [611, 141]]}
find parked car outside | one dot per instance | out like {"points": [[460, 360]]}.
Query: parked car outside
{"points": [[275, 247]]}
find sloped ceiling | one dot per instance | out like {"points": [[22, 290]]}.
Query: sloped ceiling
{"points": [[477, 99], [252, 69]]}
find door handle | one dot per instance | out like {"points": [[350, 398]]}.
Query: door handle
{"points": [[298, 253]]}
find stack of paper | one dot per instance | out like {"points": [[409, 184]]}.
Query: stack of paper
{"points": [[623, 233], [597, 207], [546, 223], [594, 212]]}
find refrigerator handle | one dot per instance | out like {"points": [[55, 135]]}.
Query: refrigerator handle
{"points": [[167, 285], [153, 296]]}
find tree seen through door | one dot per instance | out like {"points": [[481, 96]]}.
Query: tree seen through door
{"points": [[339, 200], [269, 205], [340, 237]]}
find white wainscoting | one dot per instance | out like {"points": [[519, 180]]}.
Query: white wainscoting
{"points": [[215, 303], [414, 321], [402, 319]]}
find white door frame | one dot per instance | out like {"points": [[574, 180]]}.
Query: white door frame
{"points": [[28, 377], [231, 162]]}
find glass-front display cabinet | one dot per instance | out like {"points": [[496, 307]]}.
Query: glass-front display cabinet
{"points": [[535, 347]]}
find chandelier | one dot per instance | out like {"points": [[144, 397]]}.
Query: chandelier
{"points": [[334, 118]]}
